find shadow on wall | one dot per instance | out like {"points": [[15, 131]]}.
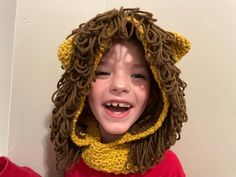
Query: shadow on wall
{"points": [[49, 155]]}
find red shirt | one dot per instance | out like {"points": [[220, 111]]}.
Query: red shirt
{"points": [[9, 169], [168, 167]]}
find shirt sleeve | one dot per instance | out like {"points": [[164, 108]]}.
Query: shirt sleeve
{"points": [[9, 169]]}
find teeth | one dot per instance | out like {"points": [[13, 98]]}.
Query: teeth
{"points": [[114, 104], [108, 104], [122, 105]]}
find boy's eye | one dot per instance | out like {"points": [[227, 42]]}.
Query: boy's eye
{"points": [[97, 73], [101, 74], [138, 76]]}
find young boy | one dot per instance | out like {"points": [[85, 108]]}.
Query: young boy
{"points": [[120, 103]]}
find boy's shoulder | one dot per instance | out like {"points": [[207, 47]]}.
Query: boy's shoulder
{"points": [[170, 166], [10, 169]]}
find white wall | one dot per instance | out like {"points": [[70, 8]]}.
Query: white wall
{"points": [[208, 144], [7, 20]]}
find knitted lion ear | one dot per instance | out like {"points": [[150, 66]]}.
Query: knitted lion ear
{"points": [[180, 46], [65, 52]]}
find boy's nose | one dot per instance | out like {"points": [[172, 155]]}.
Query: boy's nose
{"points": [[119, 85]]}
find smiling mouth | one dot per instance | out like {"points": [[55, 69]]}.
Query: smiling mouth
{"points": [[117, 108]]}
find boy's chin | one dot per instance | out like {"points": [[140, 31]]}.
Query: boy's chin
{"points": [[113, 132], [116, 131]]}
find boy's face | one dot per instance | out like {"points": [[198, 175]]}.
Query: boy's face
{"points": [[121, 89]]}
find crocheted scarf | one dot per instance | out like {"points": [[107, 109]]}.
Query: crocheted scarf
{"points": [[110, 158]]}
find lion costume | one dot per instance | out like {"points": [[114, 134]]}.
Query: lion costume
{"points": [[74, 131]]}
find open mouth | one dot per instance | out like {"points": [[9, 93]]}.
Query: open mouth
{"points": [[117, 108]]}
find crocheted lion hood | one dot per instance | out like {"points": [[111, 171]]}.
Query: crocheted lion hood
{"points": [[80, 55]]}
